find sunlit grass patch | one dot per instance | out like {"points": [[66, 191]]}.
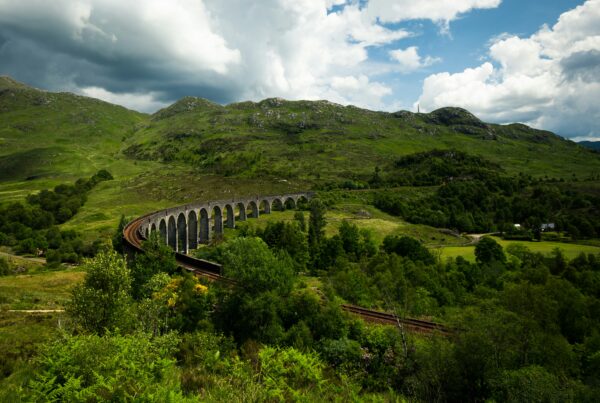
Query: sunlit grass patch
{"points": [[44, 290], [570, 250]]}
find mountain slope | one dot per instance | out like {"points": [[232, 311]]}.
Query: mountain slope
{"points": [[196, 149], [45, 134], [594, 145], [316, 140]]}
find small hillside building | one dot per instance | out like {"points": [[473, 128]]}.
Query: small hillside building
{"points": [[548, 226]]}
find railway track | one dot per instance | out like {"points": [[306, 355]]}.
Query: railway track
{"points": [[212, 271], [412, 325]]}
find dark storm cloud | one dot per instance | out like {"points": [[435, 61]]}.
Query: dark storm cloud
{"points": [[61, 67], [62, 45], [582, 65]]}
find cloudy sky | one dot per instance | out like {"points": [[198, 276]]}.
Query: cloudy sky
{"points": [[531, 61]]}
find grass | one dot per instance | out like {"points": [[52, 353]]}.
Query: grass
{"points": [[21, 333], [338, 143], [21, 263], [570, 250], [244, 149], [376, 222], [42, 290]]}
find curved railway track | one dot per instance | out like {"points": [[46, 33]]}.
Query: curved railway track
{"points": [[133, 238]]}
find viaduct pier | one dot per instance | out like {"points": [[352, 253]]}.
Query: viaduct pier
{"points": [[185, 227]]}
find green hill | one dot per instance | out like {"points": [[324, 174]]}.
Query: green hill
{"points": [[316, 140], [198, 149], [594, 145], [44, 134]]}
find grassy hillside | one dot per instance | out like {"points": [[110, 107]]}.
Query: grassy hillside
{"points": [[196, 149], [49, 138], [324, 141], [594, 145]]}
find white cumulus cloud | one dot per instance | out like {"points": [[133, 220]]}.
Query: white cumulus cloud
{"points": [[548, 80], [155, 51], [150, 52], [441, 11], [409, 59]]}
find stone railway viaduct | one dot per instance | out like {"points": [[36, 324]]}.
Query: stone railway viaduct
{"points": [[184, 227]]}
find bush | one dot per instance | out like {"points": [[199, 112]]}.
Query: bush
{"points": [[109, 368], [289, 374], [408, 247], [4, 267]]}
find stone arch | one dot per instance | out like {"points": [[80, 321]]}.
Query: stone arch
{"points": [[147, 232], [278, 205], [192, 230], [172, 233], [153, 228], [204, 226], [230, 216], [242, 211], [181, 233], [265, 207], [217, 214], [253, 209], [162, 228], [290, 203]]}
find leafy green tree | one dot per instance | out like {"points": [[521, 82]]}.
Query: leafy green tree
{"points": [[437, 375], [256, 268], [287, 237], [251, 309], [488, 250], [409, 247], [299, 217], [117, 240], [102, 302], [350, 236], [529, 384], [4, 267], [329, 251], [157, 258], [316, 226], [190, 304]]}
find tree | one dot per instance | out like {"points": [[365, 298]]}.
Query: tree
{"points": [[488, 250], [4, 267], [157, 258], [316, 226], [299, 217], [117, 240], [256, 267], [529, 384], [408, 247], [102, 302], [350, 236], [251, 309]]}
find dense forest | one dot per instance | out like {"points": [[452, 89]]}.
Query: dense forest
{"points": [[475, 195], [32, 227], [525, 327]]}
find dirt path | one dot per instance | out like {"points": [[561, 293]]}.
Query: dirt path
{"points": [[36, 310], [477, 237], [31, 259]]}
